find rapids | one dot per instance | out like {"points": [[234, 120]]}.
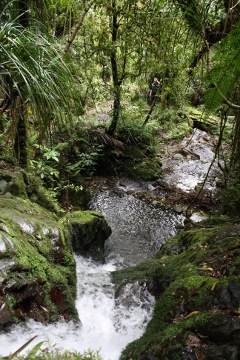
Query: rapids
{"points": [[108, 324]]}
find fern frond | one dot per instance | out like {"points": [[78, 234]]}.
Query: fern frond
{"points": [[105, 139]]}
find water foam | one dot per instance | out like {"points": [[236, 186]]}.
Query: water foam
{"points": [[108, 325]]}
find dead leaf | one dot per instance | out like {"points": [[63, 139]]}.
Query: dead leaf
{"points": [[191, 314]]}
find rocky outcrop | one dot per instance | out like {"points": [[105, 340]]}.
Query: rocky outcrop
{"points": [[89, 230], [17, 182], [37, 266], [196, 280]]}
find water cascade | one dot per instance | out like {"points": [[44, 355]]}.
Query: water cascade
{"points": [[108, 324]]}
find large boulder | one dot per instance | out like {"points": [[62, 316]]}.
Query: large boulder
{"points": [[37, 267], [17, 182]]}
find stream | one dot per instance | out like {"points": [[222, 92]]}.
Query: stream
{"points": [[139, 228], [108, 323]]}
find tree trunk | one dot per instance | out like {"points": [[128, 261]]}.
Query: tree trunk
{"points": [[79, 24], [116, 109], [116, 82], [235, 155], [20, 143], [150, 112]]}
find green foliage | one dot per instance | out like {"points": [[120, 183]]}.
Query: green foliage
{"points": [[86, 163], [225, 71], [230, 198], [44, 166], [35, 81], [174, 123], [131, 129]]}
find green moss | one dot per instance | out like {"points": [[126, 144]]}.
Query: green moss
{"points": [[190, 278], [19, 183], [39, 253], [89, 230], [12, 182]]}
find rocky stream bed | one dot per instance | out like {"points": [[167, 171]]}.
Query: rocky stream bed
{"points": [[191, 267]]}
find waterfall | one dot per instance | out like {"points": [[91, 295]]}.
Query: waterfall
{"points": [[108, 325]]}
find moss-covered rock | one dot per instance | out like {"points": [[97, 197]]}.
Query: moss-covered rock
{"points": [[17, 182], [139, 165], [89, 230], [196, 280], [36, 264]]}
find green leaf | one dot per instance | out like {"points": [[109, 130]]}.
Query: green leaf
{"points": [[33, 352], [21, 348]]}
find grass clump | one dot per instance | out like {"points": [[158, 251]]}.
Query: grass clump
{"points": [[39, 352]]}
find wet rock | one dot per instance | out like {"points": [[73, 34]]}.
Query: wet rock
{"points": [[59, 299], [151, 187], [201, 126], [179, 210], [5, 315], [89, 230], [234, 289], [221, 328], [35, 253], [198, 296], [30, 308], [178, 157], [6, 265], [228, 297]]}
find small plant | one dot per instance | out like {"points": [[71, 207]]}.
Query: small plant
{"points": [[75, 188], [44, 166], [52, 353]]}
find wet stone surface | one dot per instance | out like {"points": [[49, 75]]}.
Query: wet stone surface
{"points": [[186, 164], [138, 227]]}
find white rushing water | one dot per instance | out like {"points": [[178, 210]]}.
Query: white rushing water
{"points": [[108, 325]]}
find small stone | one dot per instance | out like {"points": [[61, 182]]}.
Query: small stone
{"points": [[177, 157], [150, 187], [179, 210]]}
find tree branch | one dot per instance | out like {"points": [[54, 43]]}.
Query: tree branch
{"points": [[79, 24], [227, 102]]}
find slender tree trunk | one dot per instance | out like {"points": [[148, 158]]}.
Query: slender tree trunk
{"points": [[235, 155], [116, 82], [20, 143], [116, 109], [79, 24], [150, 112]]}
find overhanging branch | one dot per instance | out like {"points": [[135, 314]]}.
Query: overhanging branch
{"points": [[227, 102]]}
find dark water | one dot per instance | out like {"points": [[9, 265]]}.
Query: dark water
{"points": [[138, 228]]}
